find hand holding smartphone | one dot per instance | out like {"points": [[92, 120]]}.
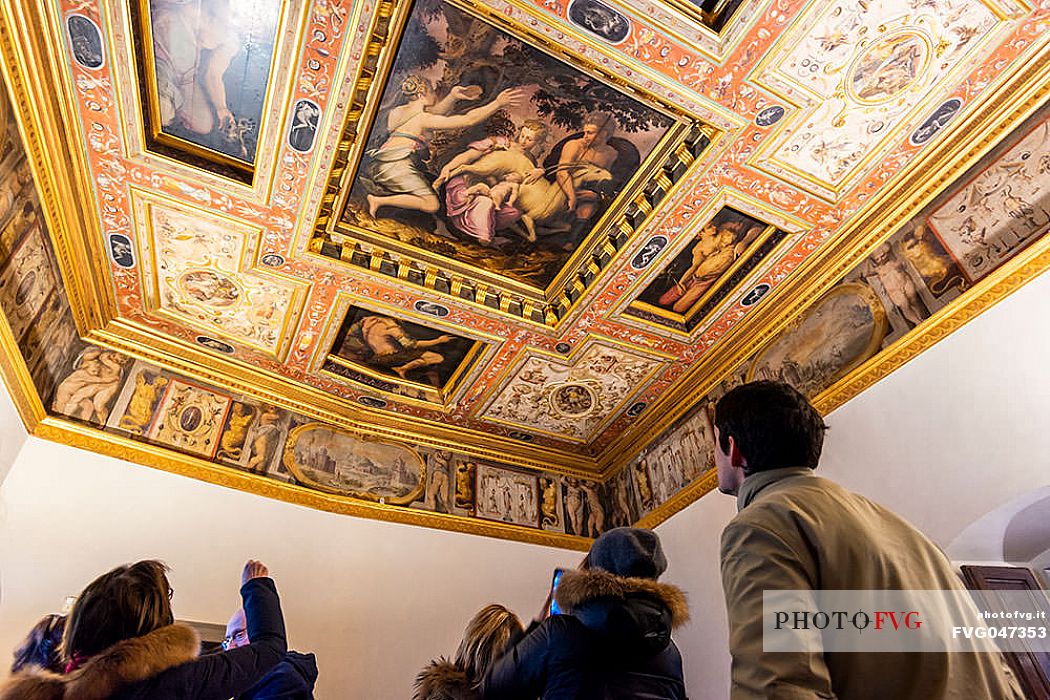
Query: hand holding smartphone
{"points": [[553, 609]]}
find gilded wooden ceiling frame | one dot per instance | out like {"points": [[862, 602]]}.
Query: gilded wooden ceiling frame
{"points": [[46, 124], [34, 70], [996, 116], [444, 398], [673, 158], [732, 283]]}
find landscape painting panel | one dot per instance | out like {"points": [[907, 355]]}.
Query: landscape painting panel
{"points": [[400, 349], [490, 152], [211, 65], [332, 460], [832, 337]]}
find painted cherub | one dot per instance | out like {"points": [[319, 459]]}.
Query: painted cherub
{"points": [[503, 192]]}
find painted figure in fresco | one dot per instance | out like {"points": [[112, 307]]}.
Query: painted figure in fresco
{"points": [[381, 341], [232, 442], [504, 192], [641, 478], [574, 505], [716, 248], [193, 46], [595, 509], [304, 125], [592, 147], [396, 169], [465, 472], [931, 264], [437, 486], [549, 502], [900, 288], [264, 441], [209, 288], [139, 412], [88, 390], [621, 515], [490, 160]]}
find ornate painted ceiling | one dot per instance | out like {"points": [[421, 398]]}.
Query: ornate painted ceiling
{"points": [[484, 264]]}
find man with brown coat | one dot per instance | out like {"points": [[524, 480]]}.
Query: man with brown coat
{"points": [[798, 532]]}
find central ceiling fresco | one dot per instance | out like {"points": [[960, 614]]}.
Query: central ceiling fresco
{"points": [[485, 264]]}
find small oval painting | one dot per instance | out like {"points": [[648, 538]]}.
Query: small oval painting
{"points": [[214, 344], [273, 260], [85, 40], [328, 459], [190, 418], [770, 116], [120, 250], [888, 67], [372, 402], [25, 288], [305, 117], [209, 287], [428, 307], [573, 400], [833, 336], [936, 121], [755, 295], [518, 435], [599, 19], [563, 348], [636, 409], [649, 252]]}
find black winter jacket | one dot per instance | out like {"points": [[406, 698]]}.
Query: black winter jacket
{"points": [[164, 663], [615, 643]]}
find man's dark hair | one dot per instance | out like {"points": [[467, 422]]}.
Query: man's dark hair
{"points": [[129, 601], [773, 425]]}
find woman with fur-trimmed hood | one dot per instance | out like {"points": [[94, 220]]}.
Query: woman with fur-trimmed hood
{"points": [[487, 635], [615, 641], [121, 643]]}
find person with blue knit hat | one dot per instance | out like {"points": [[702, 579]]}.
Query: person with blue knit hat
{"points": [[614, 640]]}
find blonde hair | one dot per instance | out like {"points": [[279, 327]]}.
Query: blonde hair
{"points": [[487, 636], [415, 86]]}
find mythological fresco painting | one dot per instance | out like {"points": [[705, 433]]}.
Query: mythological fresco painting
{"points": [[205, 69], [726, 247], [490, 152], [507, 495], [585, 507], [378, 345], [989, 215]]}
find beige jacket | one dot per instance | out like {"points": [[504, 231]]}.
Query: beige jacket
{"points": [[797, 531]]}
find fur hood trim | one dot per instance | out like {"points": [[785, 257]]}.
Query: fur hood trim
{"points": [[577, 587], [443, 680], [127, 662]]}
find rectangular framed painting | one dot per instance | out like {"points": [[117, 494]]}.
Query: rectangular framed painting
{"points": [[701, 275], [394, 355], [204, 70], [492, 151]]}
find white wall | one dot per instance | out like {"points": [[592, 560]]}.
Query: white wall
{"points": [[374, 600], [12, 432], [948, 437], [953, 434]]}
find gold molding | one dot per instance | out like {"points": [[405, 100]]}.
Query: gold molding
{"points": [[679, 152], [998, 113], [82, 437]]}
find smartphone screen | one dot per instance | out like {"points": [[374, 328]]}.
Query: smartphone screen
{"points": [[554, 609]]}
